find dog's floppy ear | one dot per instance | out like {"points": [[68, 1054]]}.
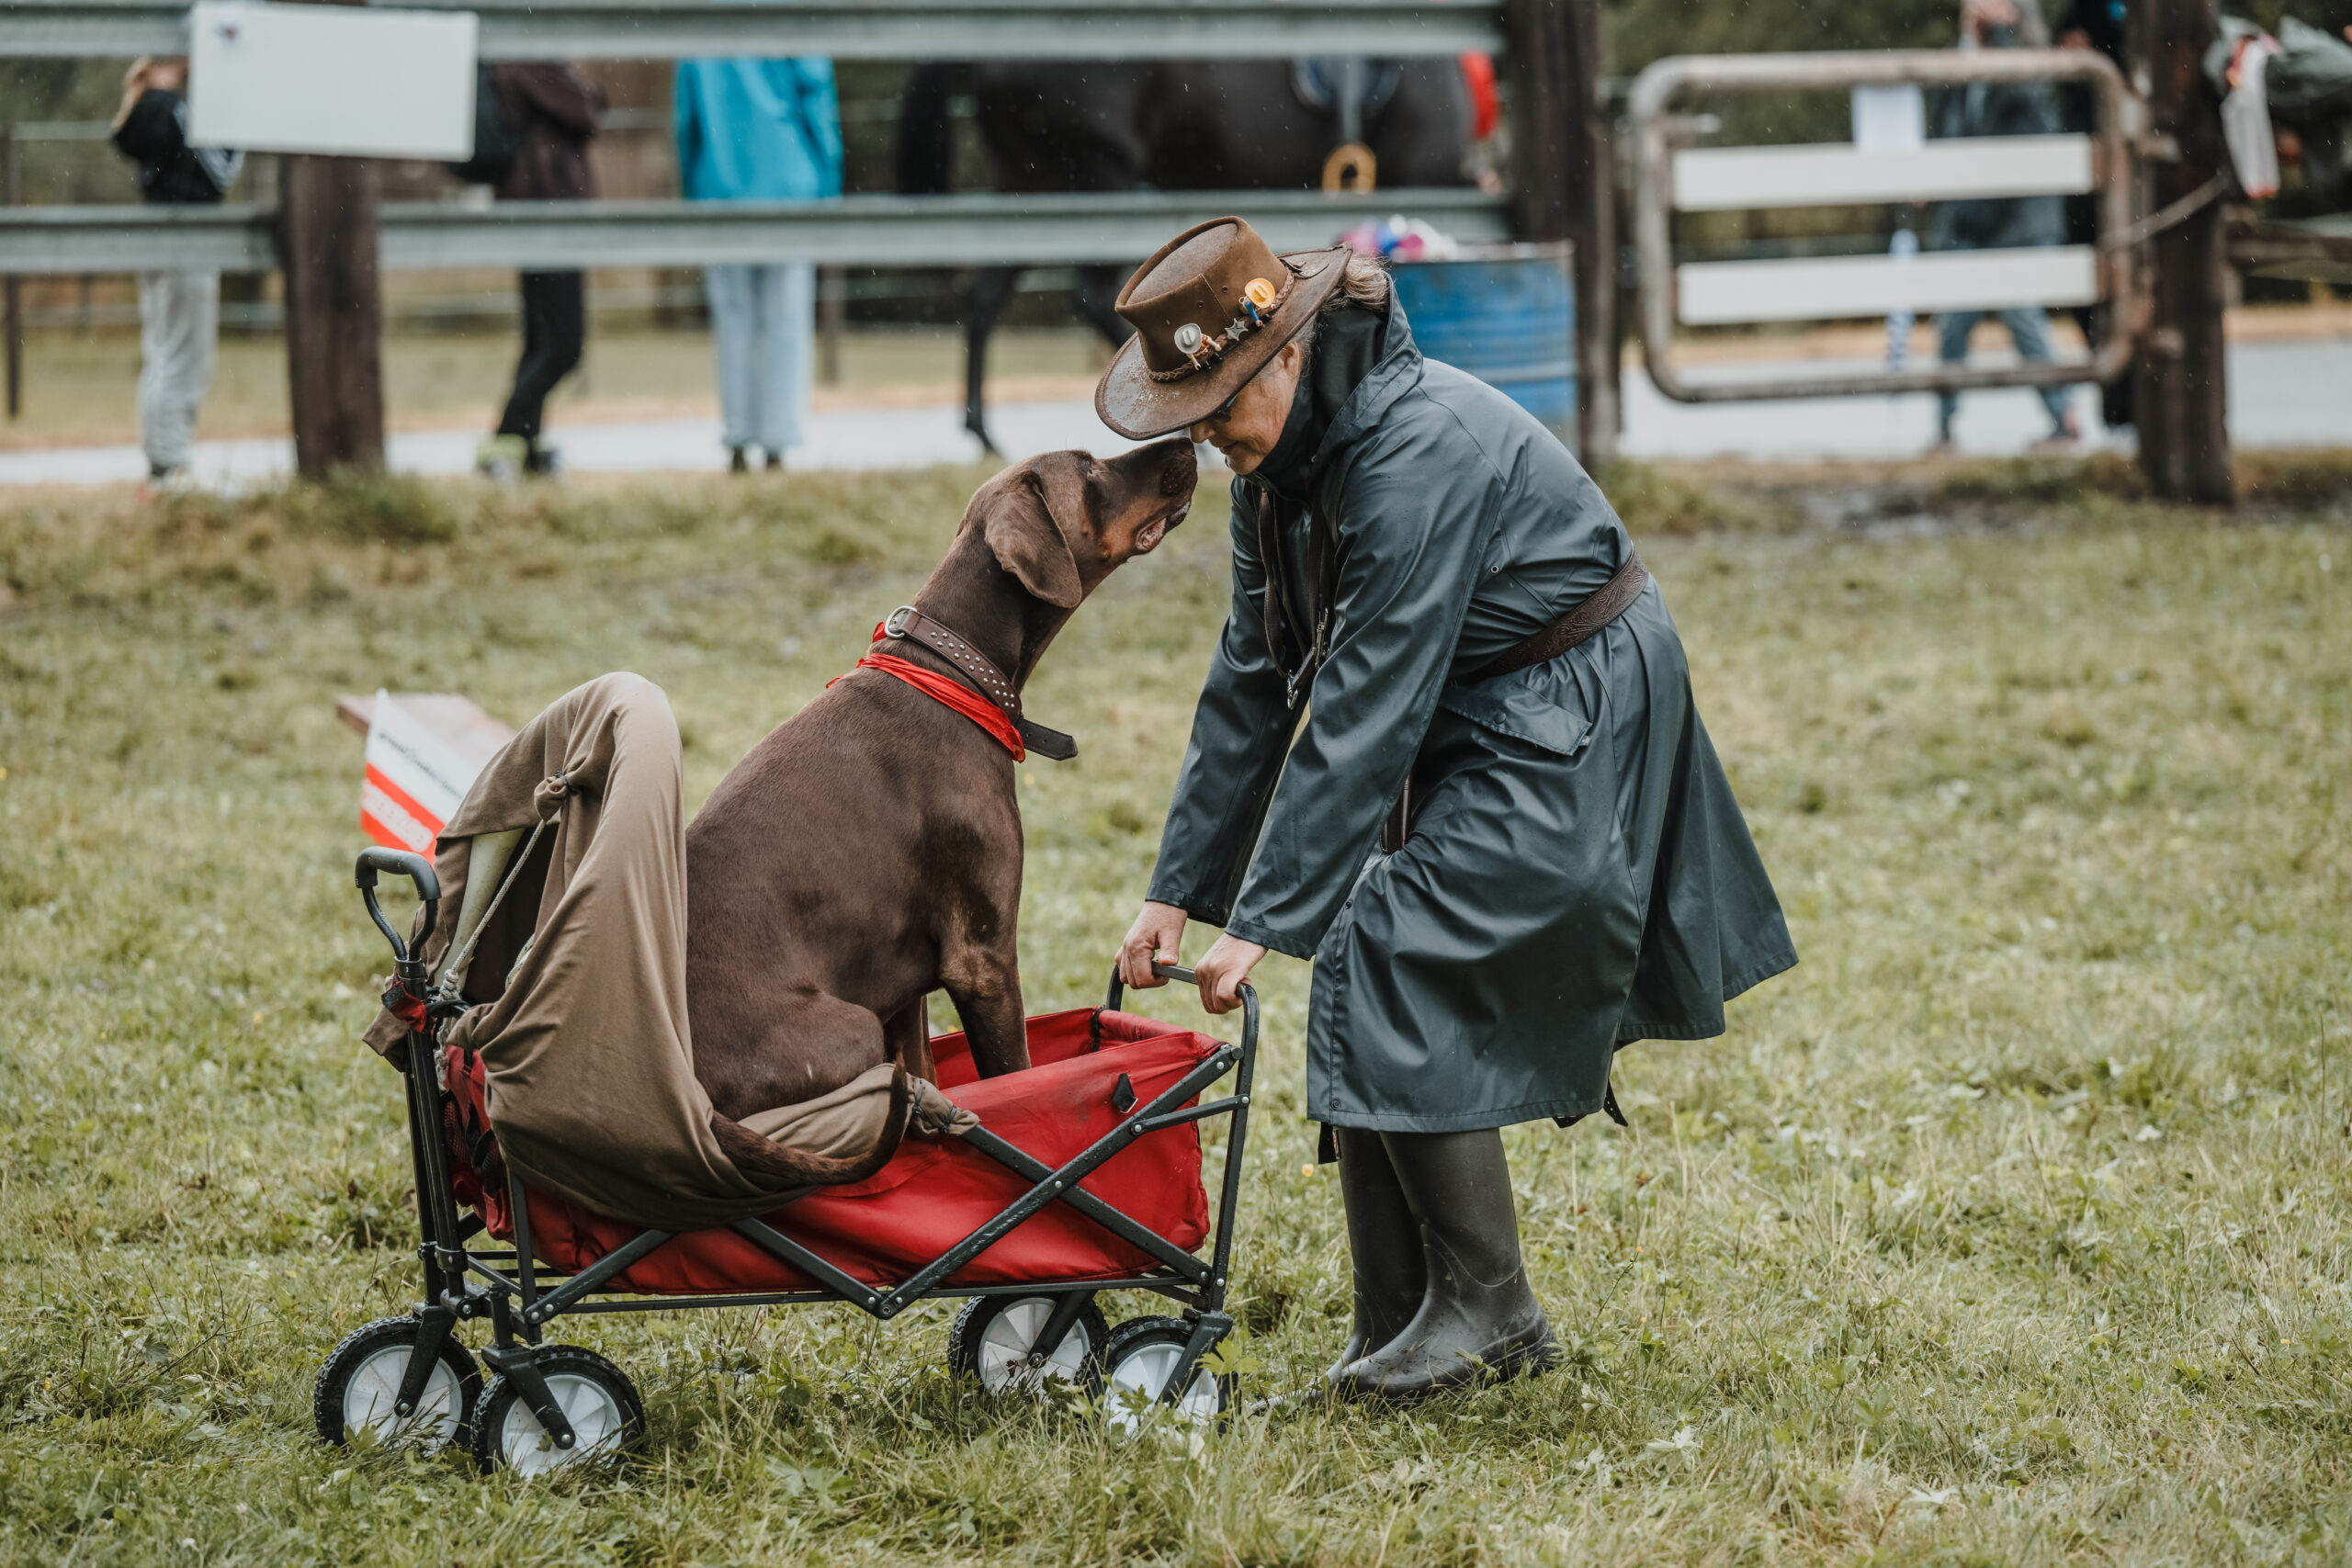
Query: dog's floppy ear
{"points": [[1029, 523]]}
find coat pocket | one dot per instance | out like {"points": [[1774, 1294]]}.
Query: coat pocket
{"points": [[1552, 706]]}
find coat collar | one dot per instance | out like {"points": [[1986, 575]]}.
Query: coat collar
{"points": [[1397, 372], [1327, 413]]}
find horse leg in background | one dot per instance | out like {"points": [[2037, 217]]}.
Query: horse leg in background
{"points": [[925, 148], [925, 155], [1051, 126], [984, 301], [1097, 297]]}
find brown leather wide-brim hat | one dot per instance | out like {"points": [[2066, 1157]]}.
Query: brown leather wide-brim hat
{"points": [[1209, 308]]}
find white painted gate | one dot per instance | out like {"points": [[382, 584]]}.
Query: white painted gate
{"points": [[1890, 161]]}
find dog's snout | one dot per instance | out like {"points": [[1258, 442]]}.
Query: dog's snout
{"points": [[1180, 469]]}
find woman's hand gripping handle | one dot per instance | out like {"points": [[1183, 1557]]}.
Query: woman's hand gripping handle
{"points": [[1158, 936]]}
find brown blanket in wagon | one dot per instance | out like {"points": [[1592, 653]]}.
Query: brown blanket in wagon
{"points": [[580, 975]]}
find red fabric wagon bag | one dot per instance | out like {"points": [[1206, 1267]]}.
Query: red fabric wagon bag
{"points": [[938, 1191]]}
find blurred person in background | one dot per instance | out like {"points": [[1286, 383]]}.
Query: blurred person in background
{"points": [[179, 310], [760, 130], [551, 111], [2006, 222]]}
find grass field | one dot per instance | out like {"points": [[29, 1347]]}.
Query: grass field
{"points": [[2011, 1228]]}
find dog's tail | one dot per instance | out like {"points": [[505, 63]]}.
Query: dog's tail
{"points": [[771, 1163]]}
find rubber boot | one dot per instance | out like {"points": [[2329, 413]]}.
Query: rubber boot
{"points": [[1383, 1247], [1478, 1318]]}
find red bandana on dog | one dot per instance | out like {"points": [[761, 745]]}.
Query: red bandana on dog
{"points": [[954, 694]]}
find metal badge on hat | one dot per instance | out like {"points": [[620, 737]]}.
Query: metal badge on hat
{"points": [[1260, 299]]}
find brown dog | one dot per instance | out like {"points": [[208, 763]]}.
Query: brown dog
{"points": [[868, 851]]}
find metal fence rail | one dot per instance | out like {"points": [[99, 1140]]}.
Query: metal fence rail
{"points": [[884, 231], [2312, 248], [846, 30]]}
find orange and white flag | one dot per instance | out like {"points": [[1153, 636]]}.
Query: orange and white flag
{"points": [[415, 780]]}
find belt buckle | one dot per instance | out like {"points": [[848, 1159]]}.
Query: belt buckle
{"points": [[893, 625]]}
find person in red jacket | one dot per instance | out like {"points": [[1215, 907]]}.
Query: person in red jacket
{"points": [[551, 111]]}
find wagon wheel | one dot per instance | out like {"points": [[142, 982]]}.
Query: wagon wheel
{"points": [[995, 1340], [596, 1396], [1137, 1363], [360, 1384]]}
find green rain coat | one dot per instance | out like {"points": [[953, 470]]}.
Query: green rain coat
{"points": [[1578, 875]]}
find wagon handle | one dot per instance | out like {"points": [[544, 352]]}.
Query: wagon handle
{"points": [[418, 869], [1165, 971], [1180, 972]]}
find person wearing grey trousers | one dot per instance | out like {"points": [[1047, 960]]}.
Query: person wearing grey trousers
{"points": [[763, 319], [179, 323], [179, 310], [760, 130]]}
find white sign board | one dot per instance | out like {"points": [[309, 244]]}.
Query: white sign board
{"points": [[1891, 119], [342, 79], [415, 780]]}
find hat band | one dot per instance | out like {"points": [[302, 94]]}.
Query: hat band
{"points": [[1213, 349]]}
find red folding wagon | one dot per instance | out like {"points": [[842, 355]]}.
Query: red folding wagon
{"points": [[1084, 1176]]}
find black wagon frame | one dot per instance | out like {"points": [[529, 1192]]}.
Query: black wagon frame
{"points": [[520, 1298]]}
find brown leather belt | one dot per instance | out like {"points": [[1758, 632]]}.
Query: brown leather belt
{"points": [[1591, 614]]}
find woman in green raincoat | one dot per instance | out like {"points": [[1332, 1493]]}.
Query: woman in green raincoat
{"points": [[1447, 751]]}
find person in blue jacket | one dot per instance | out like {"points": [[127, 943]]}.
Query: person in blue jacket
{"points": [[760, 130]]}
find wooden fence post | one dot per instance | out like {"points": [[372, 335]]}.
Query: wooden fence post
{"points": [[2182, 391], [335, 312], [327, 250], [12, 292], [1565, 190]]}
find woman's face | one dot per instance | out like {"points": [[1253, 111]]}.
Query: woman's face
{"points": [[1245, 430]]}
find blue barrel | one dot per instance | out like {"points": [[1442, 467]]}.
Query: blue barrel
{"points": [[1506, 315]]}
